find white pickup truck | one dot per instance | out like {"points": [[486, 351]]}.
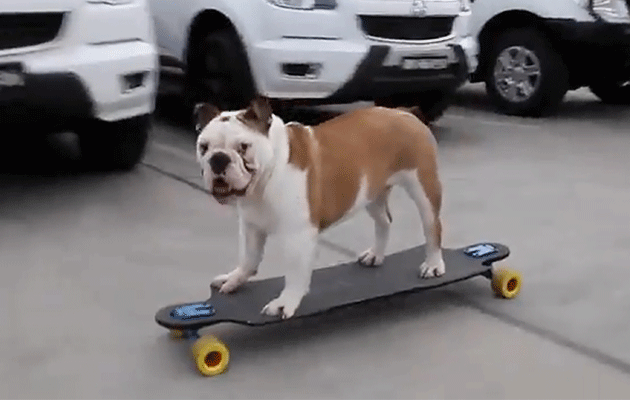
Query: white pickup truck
{"points": [[88, 66], [532, 52], [317, 51]]}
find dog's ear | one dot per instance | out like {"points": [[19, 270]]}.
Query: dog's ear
{"points": [[258, 114], [203, 114]]}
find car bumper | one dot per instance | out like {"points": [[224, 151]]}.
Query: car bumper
{"points": [[352, 71], [105, 81], [374, 79], [595, 48], [470, 46], [590, 33], [53, 98]]}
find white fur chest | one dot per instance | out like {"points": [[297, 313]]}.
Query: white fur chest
{"points": [[284, 205], [261, 215]]}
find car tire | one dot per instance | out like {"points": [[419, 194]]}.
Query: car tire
{"points": [[611, 92], [219, 72], [536, 79], [112, 146]]}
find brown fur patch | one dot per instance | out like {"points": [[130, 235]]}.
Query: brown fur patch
{"points": [[258, 115], [374, 143], [204, 113]]}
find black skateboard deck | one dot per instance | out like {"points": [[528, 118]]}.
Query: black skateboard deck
{"points": [[338, 286]]}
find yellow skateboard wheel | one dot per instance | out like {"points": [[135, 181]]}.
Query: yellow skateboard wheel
{"points": [[506, 282], [211, 355]]}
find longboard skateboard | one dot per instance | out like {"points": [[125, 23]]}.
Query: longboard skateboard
{"points": [[331, 288]]}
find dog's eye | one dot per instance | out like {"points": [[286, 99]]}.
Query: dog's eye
{"points": [[203, 148], [243, 147]]}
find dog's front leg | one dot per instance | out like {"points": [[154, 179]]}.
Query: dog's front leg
{"points": [[300, 247], [251, 245]]}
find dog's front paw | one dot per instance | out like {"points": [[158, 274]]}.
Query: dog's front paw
{"points": [[219, 280], [227, 283], [369, 259], [432, 269], [284, 306]]}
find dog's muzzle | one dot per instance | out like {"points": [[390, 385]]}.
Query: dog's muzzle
{"points": [[219, 163], [221, 189]]}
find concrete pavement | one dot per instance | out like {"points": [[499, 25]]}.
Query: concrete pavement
{"points": [[88, 259]]}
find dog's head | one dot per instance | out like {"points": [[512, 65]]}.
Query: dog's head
{"points": [[233, 147]]}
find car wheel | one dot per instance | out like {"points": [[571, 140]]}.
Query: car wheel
{"points": [[525, 75], [219, 72], [612, 92], [114, 145]]}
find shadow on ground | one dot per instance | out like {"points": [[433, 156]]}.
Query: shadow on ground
{"points": [[578, 105], [29, 154], [43, 169], [262, 342], [171, 110]]}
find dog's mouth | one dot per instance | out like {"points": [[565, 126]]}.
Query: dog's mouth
{"points": [[222, 189]]}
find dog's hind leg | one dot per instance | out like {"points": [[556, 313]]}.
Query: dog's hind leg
{"points": [[379, 211], [426, 191]]}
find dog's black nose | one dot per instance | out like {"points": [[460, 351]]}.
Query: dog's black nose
{"points": [[219, 162]]}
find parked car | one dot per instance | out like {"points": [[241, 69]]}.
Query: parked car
{"points": [[316, 51], [532, 52], [88, 66]]}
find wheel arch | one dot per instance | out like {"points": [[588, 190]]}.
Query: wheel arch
{"points": [[506, 20], [209, 20]]}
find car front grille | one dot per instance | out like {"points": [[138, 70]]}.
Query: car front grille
{"points": [[407, 28], [28, 29]]}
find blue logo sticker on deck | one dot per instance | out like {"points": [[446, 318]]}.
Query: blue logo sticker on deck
{"points": [[191, 311], [480, 250]]}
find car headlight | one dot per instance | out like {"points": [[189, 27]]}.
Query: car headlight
{"points": [[611, 10], [306, 4], [608, 10]]}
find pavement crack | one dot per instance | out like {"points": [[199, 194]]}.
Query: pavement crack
{"points": [[589, 352], [324, 242], [175, 177], [547, 334], [338, 248]]}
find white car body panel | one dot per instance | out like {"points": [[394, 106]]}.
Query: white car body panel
{"points": [[485, 10], [99, 43], [273, 35]]}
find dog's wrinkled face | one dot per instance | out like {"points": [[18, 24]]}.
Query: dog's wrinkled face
{"points": [[233, 147]]}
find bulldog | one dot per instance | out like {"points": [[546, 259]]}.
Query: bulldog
{"points": [[296, 181]]}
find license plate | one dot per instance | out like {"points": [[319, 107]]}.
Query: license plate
{"points": [[12, 81], [424, 63]]}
